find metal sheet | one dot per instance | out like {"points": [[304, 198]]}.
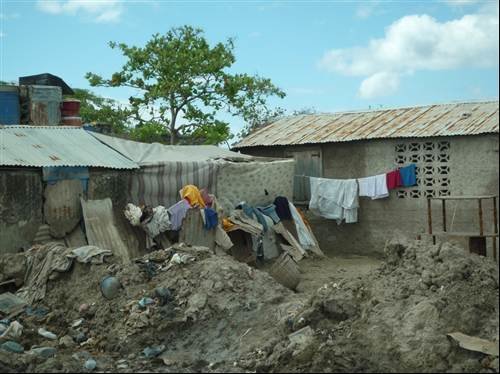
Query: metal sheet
{"points": [[471, 118], [101, 229], [43, 146], [62, 209]]}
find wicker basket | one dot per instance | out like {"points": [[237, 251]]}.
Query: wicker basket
{"points": [[286, 271]]}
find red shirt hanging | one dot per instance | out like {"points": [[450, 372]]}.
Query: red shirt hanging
{"points": [[393, 179]]}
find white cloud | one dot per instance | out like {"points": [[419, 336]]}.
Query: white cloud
{"points": [[420, 42], [101, 11], [379, 84]]}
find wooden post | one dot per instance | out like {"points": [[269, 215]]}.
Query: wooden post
{"points": [[495, 227], [444, 214], [429, 219], [480, 218]]}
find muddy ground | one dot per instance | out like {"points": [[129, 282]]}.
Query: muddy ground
{"points": [[219, 315]]}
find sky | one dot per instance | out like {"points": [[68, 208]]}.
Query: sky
{"points": [[327, 55]]}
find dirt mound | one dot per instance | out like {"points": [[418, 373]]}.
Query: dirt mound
{"points": [[396, 318], [204, 311]]}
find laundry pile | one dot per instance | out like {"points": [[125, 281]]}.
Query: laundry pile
{"points": [[338, 198]]}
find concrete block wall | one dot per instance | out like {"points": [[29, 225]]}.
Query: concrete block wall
{"points": [[473, 171]]}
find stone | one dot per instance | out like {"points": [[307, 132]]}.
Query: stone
{"points": [[80, 338], [83, 308], [47, 334], [153, 351]]}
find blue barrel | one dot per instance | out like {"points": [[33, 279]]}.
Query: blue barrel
{"points": [[9, 105]]}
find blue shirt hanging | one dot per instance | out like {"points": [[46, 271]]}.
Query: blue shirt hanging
{"points": [[408, 175], [211, 219]]}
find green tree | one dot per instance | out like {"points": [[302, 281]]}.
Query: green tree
{"points": [[184, 84], [263, 117], [100, 110]]}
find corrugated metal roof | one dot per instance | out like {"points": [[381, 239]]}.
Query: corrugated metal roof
{"points": [[41, 146], [470, 118]]}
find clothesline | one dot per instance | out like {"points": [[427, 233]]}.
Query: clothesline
{"points": [[338, 198]]}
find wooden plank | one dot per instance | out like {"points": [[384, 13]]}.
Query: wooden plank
{"points": [[475, 344], [495, 228], [444, 214], [280, 229], [101, 229], [296, 255], [481, 226], [471, 197], [429, 215], [468, 234]]}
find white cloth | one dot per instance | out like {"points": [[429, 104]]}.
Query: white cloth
{"points": [[305, 238], [374, 187], [90, 253], [335, 199], [159, 222]]}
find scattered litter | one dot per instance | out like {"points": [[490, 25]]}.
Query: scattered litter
{"points": [[45, 352], [145, 301], [77, 323], [90, 253], [13, 331], [90, 364], [10, 303], [182, 258], [12, 347], [476, 344], [110, 287], [47, 334], [153, 351]]}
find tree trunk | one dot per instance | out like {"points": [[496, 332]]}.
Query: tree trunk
{"points": [[173, 139]]}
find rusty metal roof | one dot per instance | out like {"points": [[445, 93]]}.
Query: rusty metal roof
{"points": [[471, 118], [41, 146]]}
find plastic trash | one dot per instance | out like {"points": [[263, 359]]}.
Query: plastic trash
{"points": [[163, 294], [47, 334], [90, 364], [110, 287], [13, 331], [145, 301], [45, 352], [12, 347], [153, 351]]}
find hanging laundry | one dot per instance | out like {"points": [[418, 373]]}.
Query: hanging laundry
{"points": [[253, 213], [193, 195], [270, 211], [207, 198], [334, 199], [374, 187], [282, 208], [393, 179], [177, 213], [305, 238], [408, 175], [211, 218], [158, 222]]}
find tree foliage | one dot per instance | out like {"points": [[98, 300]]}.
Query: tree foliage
{"points": [[100, 110], [184, 83]]}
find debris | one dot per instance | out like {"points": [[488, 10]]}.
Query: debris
{"points": [[301, 336], [77, 323], [83, 308], [13, 331], [90, 364], [163, 294], [80, 338], [179, 258], [47, 334], [66, 341], [90, 253], [38, 311], [10, 303], [145, 301], [110, 287], [153, 351], [11, 346], [45, 352], [476, 344]]}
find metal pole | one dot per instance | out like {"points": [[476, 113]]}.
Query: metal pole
{"points": [[495, 227], [429, 219]]}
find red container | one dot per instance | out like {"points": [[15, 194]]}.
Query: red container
{"points": [[72, 121], [70, 108]]}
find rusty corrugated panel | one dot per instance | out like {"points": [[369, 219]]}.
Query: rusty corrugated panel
{"points": [[41, 146], [40, 105], [471, 118]]}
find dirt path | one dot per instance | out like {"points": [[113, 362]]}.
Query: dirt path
{"points": [[318, 271]]}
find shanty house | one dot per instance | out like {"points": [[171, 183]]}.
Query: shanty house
{"points": [[454, 146]]}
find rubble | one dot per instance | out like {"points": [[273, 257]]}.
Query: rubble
{"points": [[213, 313]]}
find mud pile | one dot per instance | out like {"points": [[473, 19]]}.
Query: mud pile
{"points": [[190, 310], [396, 319]]}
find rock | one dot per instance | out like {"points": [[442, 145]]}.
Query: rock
{"points": [[44, 352], [47, 334], [13, 347], [66, 341], [83, 308], [110, 287], [78, 322], [90, 364], [427, 277]]}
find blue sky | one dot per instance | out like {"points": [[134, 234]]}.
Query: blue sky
{"points": [[328, 55]]}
